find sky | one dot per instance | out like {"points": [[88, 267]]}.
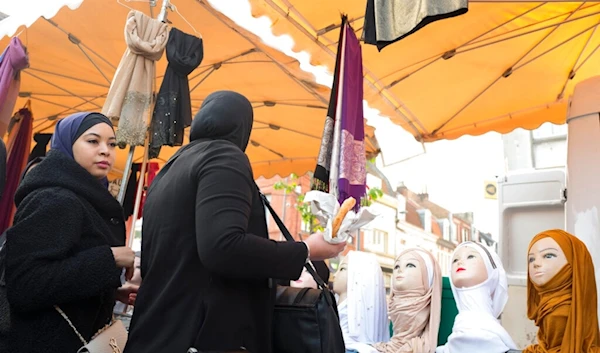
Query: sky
{"points": [[452, 172]]}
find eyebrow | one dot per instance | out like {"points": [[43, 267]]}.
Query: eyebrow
{"points": [[98, 136], [555, 249]]}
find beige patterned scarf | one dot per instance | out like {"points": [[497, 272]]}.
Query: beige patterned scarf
{"points": [[416, 313], [130, 96]]}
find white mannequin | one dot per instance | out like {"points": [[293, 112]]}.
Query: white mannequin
{"points": [[362, 305], [480, 289], [468, 268], [340, 283], [546, 258]]}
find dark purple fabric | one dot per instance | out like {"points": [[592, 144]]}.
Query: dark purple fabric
{"points": [[64, 133], [13, 61], [17, 160], [352, 163]]}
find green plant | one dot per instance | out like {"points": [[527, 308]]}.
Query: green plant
{"points": [[290, 186]]}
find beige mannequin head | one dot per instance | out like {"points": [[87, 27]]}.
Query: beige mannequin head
{"points": [[340, 283], [468, 268], [408, 273], [546, 259]]}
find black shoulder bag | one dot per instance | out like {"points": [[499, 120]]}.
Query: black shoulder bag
{"points": [[306, 320]]}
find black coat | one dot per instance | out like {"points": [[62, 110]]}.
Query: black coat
{"points": [[206, 256], [58, 253]]}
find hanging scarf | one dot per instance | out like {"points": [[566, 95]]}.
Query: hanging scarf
{"points": [[341, 164], [17, 160], [416, 313], [567, 303], [351, 172], [13, 61], [130, 95], [476, 327], [173, 109], [2, 167]]}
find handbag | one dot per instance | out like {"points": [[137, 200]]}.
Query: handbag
{"points": [[305, 320], [110, 339]]}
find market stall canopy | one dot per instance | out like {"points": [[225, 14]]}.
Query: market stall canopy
{"points": [[73, 56], [501, 66]]}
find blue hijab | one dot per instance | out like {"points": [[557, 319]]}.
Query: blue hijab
{"points": [[69, 129]]}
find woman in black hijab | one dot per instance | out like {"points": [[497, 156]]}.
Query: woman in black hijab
{"points": [[208, 260]]}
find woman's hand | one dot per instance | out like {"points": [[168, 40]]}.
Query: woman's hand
{"points": [[124, 257], [127, 293]]}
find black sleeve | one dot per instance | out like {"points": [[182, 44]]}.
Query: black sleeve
{"points": [[42, 267], [223, 207]]}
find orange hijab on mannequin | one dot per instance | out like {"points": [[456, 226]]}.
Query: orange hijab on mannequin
{"points": [[571, 290]]}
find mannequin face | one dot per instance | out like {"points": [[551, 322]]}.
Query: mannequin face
{"points": [[340, 283], [408, 273], [545, 259], [305, 281], [468, 268]]}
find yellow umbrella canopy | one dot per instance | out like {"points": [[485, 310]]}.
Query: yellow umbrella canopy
{"points": [[501, 66], [73, 57]]}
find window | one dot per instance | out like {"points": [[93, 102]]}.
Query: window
{"points": [[454, 232], [465, 234], [549, 146], [376, 240]]}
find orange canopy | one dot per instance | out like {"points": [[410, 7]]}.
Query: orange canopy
{"points": [[73, 57], [501, 66]]}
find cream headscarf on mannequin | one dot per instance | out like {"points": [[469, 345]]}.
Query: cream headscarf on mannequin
{"points": [[365, 304], [476, 327], [416, 313]]}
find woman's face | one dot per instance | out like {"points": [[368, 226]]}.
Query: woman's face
{"points": [[468, 268], [545, 259], [408, 273], [94, 150]]}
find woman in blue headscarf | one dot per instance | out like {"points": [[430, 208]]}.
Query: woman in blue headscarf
{"points": [[66, 249]]}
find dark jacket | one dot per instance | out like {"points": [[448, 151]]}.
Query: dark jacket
{"points": [[206, 256], [58, 253]]}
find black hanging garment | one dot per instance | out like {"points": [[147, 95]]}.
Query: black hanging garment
{"points": [[386, 22], [41, 147], [173, 109]]}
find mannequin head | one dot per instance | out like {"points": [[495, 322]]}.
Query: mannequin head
{"points": [[546, 258], [340, 283], [408, 272], [468, 268]]}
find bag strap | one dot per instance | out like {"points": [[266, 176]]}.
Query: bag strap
{"points": [[62, 313], [289, 237]]}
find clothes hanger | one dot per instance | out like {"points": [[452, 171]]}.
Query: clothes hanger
{"points": [[151, 2], [174, 8], [126, 6]]}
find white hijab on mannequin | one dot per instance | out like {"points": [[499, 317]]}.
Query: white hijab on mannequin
{"points": [[477, 327], [365, 307]]}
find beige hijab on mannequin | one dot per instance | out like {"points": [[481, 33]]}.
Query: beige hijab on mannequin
{"points": [[415, 313]]}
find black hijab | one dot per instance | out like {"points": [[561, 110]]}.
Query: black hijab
{"points": [[224, 115]]}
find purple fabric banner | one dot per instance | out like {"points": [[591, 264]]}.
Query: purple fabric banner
{"points": [[352, 162]]}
